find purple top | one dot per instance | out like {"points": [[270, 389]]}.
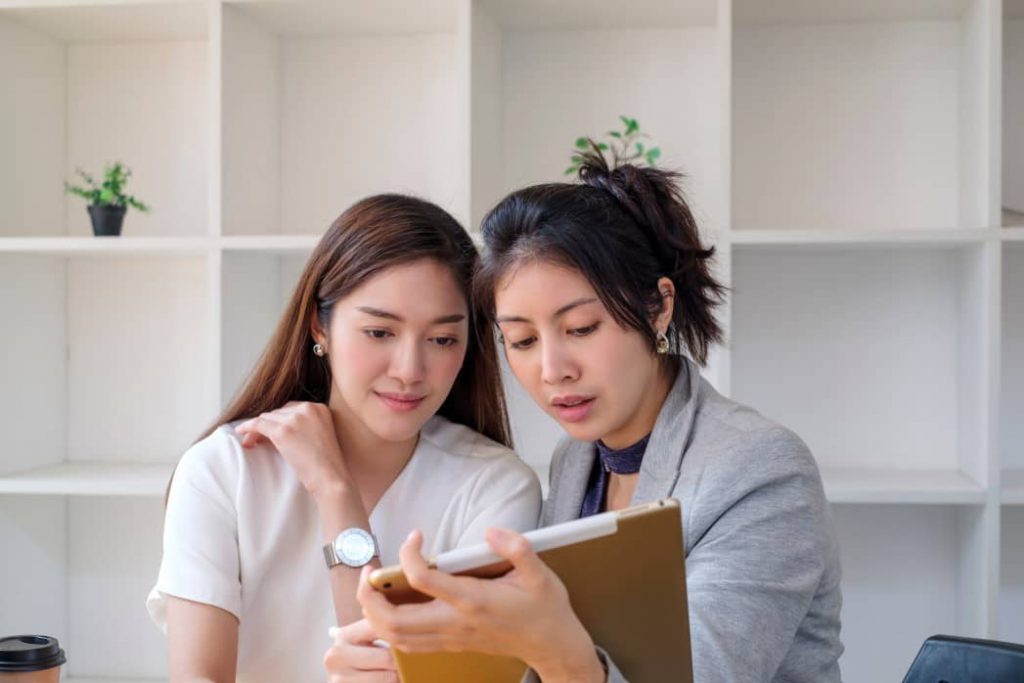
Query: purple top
{"points": [[625, 461]]}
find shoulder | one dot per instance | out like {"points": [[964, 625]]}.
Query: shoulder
{"points": [[460, 449], [731, 431], [735, 451], [217, 463]]}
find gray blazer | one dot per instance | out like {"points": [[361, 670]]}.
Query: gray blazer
{"points": [[762, 561]]}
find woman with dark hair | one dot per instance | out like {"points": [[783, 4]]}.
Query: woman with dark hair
{"points": [[376, 408], [601, 290]]}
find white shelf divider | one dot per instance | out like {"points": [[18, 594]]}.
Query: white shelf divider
{"points": [[277, 244], [926, 237], [72, 246], [91, 479], [888, 486]]}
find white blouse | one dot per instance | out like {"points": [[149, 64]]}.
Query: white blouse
{"points": [[241, 533]]}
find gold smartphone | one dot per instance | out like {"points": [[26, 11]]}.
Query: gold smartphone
{"points": [[625, 574]]}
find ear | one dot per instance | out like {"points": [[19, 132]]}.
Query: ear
{"points": [[668, 299], [319, 336]]}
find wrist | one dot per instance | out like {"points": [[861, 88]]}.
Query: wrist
{"points": [[332, 489], [576, 663]]}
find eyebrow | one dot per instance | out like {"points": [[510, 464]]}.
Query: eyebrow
{"points": [[379, 313], [561, 311]]}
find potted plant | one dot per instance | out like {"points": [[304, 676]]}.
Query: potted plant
{"points": [[107, 201], [624, 145]]}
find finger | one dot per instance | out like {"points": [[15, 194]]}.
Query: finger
{"points": [[368, 657], [517, 550], [457, 591], [390, 622], [357, 633], [355, 662], [249, 433]]}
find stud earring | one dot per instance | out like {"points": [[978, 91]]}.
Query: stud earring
{"points": [[318, 350], [662, 346]]}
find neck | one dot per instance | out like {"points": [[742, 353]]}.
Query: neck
{"points": [[641, 423]]}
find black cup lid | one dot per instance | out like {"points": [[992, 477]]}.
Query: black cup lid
{"points": [[30, 653]]}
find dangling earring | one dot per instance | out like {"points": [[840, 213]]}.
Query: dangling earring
{"points": [[662, 343], [318, 350]]}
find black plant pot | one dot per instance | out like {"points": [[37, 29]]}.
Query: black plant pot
{"points": [[106, 219]]}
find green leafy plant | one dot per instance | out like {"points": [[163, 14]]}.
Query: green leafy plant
{"points": [[108, 193], [624, 146]]}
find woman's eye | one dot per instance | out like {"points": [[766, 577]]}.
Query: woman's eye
{"points": [[445, 342], [377, 334], [583, 331], [522, 343]]}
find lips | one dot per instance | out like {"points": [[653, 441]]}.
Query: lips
{"points": [[401, 403], [572, 408]]}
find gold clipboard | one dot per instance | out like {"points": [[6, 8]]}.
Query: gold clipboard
{"points": [[628, 588]]}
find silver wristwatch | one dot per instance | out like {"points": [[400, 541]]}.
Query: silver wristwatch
{"points": [[354, 547]]}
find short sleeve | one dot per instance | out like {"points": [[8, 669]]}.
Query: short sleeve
{"points": [[200, 544], [504, 494]]}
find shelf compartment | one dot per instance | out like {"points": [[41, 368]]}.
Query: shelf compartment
{"points": [[909, 568], [87, 564], [255, 288], [324, 103], [106, 359], [545, 74], [95, 84], [874, 357], [860, 114], [91, 479]]}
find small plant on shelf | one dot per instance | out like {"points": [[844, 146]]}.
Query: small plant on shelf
{"points": [[107, 201], [624, 146]]}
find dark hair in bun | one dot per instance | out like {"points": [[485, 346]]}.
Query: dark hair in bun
{"points": [[623, 228]]}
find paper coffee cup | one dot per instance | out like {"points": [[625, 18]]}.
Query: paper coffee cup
{"points": [[30, 659]]}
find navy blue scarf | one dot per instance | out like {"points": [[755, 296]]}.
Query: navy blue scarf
{"points": [[626, 461]]}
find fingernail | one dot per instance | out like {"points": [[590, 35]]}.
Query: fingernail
{"points": [[333, 632]]}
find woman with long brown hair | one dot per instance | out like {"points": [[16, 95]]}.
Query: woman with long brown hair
{"points": [[375, 409]]}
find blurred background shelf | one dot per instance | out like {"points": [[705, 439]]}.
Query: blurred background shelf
{"points": [[90, 479], [1013, 487], [927, 237], [891, 486], [73, 246], [843, 157]]}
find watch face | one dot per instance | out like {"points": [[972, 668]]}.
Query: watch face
{"points": [[355, 547]]}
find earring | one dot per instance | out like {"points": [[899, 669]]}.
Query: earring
{"points": [[662, 346], [318, 350]]}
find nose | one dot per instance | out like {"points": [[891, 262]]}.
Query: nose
{"points": [[407, 363], [557, 364]]}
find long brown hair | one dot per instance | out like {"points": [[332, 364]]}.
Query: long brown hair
{"points": [[375, 234]]}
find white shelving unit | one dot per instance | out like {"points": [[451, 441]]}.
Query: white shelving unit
{"points": [[858, 165]]}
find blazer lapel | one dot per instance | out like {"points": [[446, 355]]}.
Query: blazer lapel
{"points": [[663, 458], [569, 483]]}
